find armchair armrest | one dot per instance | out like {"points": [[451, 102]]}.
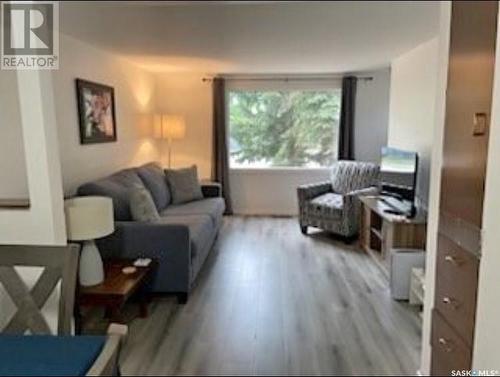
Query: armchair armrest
{"points": [[310, 191], [352, 197], [211, 189], [368, 191]]}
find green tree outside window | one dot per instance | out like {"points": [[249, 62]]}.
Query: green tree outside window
{"points": [[284, 128]]}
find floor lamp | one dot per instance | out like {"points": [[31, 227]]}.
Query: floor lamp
{"points": [[170, 127]]}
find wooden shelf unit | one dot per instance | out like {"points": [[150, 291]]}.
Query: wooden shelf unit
{"points": [[380, 231]]}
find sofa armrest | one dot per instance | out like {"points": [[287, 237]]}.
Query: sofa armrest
{"points": [[310, 191], [168, 244], [211, 189], [132, 238]]}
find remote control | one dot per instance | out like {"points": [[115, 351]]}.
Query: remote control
{"points": [[142, 262]]}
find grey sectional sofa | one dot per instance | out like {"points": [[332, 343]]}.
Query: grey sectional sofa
{"points": [[180, 241]]}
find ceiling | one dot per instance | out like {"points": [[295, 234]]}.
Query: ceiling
{"points": [[253, 37]]}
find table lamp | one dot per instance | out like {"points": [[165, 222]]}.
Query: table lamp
{"points": [[89, 218], [169, 127]]}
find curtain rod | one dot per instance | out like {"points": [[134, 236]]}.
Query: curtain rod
{"points": [[285, 78]]}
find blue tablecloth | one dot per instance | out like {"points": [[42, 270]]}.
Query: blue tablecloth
{"points": [[48, 355]]}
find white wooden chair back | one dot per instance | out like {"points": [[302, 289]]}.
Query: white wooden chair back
{"points": [[60, 264]]}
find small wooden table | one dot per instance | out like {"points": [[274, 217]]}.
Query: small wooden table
{"points": [[115, 291], [381, 231]]}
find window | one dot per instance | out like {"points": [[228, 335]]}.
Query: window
{"points": [[283, 128]]}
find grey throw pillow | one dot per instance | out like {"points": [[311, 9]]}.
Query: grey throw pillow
{"points": [[142, 206], [184, 185]]}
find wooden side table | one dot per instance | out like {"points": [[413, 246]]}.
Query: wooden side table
{"points": [[381, 231], [115, 291]]}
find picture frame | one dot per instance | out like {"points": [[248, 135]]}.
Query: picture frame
{"points": [[96, 112]]}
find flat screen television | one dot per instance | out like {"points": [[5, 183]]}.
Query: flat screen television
{"points": [[398, 174]]}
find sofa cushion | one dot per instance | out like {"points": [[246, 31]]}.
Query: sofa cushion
{"points": [[142, 206], [201, 229], [35, 355], [155, 181], [213, 207], [328, 205], [184, 185], [118, 187]]}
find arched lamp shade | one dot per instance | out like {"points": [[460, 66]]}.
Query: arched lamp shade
{"points": [[88, 218]]}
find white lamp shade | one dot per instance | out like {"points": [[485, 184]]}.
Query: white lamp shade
{"points": [[171, 127], [89, 217]]}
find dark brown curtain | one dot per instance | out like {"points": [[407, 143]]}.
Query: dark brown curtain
{"points": [[347, 111], [220, 161]]}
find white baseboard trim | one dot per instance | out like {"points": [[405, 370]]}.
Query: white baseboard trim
{"points": [[264, 212], [261, 214]]}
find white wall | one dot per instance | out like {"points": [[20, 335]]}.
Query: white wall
{"points": [[435, 182], [372, 115], [43, 223], [13, 176], [416, 122], [272, 191], [186, 94], [134, 101], [412, 103], [486, 349]]}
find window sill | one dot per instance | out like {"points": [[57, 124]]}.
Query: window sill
{"points": [[276, 170]]}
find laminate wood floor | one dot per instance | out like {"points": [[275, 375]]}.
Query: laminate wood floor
{"points": [[271, 301]]}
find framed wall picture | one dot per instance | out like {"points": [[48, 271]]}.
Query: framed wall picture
{"points": [[96, 109]]}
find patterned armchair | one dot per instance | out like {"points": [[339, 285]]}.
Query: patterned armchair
{"points": [[334, 206]]}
